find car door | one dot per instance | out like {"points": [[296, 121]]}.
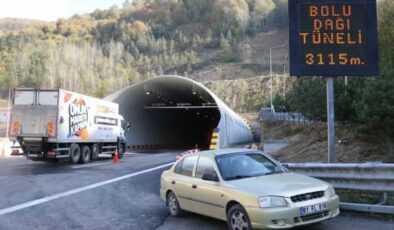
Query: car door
{"points": [[181, 182], [206, 196]]}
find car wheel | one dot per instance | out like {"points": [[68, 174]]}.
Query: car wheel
{"points": [[237, 218], [95, 150], [85, 155], [75, 153], [173, 205]]}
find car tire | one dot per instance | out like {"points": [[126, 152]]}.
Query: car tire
{"points": [[95, 151], [238, 219], [85, 155], [75, 153], [173, 205]]}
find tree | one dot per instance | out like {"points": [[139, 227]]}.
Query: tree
{"points": [[208, 38], [375, 108], [308, 97], [136, 29], [126, 4]]}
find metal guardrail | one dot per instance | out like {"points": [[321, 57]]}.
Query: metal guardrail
{"points": [[372, 177], [295, 118]]}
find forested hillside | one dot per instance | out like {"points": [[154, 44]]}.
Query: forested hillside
{"points": [[15, 25], [207, 40], [105, 50]]}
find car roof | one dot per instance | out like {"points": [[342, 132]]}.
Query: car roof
{"points": [[218, 152]]}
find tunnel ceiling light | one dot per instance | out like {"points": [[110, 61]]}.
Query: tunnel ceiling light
{"points": [[204, 99], [194, 89], [147, 89], [183, 104], [158, 104], [208, 104]]}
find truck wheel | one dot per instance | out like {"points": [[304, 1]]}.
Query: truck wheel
{"points": [[75, 153], [85, 155], [95, 150], [121, 151]]}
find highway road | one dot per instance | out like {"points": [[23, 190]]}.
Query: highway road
{"points": [[103, 195]]}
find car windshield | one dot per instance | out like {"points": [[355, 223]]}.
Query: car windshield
{"points": [[244, 165]]}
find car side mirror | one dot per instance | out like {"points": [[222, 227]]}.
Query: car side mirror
{"points": [[284, 165], [127, 127], [210, 177]]}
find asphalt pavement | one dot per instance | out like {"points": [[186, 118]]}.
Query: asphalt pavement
{"points": [[103, 195], [83, 198]]}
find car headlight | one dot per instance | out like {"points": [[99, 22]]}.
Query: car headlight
{"points": [[331, 191], [272, 202]]}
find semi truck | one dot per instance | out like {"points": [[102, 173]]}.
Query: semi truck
{"points": [[53, 124]]}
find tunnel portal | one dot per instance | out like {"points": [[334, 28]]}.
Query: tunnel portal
{"points": [[176, 112]]}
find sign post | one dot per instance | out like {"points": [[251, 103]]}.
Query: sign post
{"points": [[330, 120], [333, 38]]}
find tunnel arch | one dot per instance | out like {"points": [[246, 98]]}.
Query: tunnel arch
{"points": [[177, 112]]}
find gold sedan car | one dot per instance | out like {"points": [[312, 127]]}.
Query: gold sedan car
{"points": [[246, 188]]}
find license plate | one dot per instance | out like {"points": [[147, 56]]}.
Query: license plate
{"points": [[312, 208]]}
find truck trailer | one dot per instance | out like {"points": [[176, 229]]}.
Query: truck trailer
{"points": [[53, 124]]}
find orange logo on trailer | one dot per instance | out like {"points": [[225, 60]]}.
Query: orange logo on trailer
{"points": [[51, 129], [16, 127], [67, 97], [78, 121]]}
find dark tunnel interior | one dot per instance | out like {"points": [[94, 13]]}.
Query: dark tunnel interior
{"points": [[168, 113]]}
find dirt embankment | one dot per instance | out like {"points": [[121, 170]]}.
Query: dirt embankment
{"points": [[308, 143]]}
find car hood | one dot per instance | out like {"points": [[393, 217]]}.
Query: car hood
{"points": [[283, 184]]}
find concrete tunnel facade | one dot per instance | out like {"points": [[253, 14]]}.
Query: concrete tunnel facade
{"points": [[177, 112]]}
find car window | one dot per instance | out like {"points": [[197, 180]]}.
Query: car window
{"points": [[243, 165], [178, 167], [204, 166], [188, 165]]}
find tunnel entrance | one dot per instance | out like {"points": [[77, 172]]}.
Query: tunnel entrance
{"points": [[168, 113], [177, 112]]}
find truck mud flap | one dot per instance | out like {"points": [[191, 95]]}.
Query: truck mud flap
{"points": [[33, 155]]}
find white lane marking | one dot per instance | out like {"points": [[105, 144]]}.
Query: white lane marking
{"points": [[77, 190], [9, 169], [90, 165], [31, 163], [11, 157]]}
